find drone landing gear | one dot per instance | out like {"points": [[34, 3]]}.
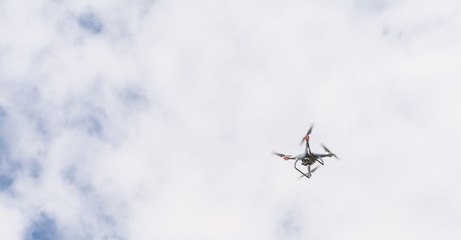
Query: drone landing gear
{"points": [[308, 170], [320, 160]]}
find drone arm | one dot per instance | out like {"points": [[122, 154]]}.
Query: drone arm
{"points": [[326, 155], [308, 149], [285, 157], [308, 176]]}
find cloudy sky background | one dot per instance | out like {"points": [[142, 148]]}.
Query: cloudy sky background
{"points": [[157, 119]]}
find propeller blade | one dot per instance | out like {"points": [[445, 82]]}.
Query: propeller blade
{"points": [[307, 134], [313, 170], [326, 149], [329, 151], [278, 154], [285, 157], [310, 129]]}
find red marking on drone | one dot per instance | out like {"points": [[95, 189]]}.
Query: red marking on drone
{"points": [[307, 137], [286, 158]]}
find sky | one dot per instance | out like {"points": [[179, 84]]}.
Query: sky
{"points": [[157, 119]]}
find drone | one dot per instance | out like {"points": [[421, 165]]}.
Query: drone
{"points": [[308, 158]]}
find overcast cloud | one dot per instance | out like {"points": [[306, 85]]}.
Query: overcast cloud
{"points": [[157, 119]]}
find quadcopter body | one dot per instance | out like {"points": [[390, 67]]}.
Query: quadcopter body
{"points": [[308, 158]]}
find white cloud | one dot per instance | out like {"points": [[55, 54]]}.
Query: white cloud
{"points": [[160, 122], [11, 218]]}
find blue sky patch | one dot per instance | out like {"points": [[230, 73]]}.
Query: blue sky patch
{"points": [[44, 228], [5, 182], [132, 97], [5, 179], [130, 94], [35, 169], [90, 22], [93, 125], [8, 171]]}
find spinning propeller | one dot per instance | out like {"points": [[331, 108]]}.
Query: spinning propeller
{"points": [[330, 152], [285, 157], [306, 138]]}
